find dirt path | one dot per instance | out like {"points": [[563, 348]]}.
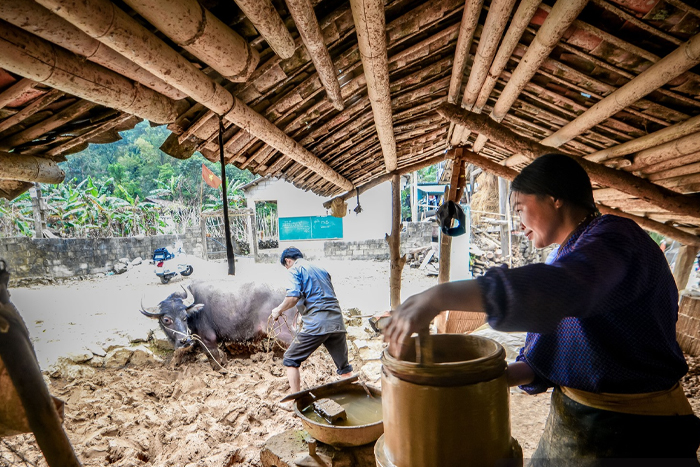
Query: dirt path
{"points": [[192, 416]]}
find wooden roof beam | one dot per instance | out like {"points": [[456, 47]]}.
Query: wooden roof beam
{"points": [[51, 123], [386, 177], [665, 230], [201, 33], [648, 141], [370, 25], [663, 71], [65, 147], [25, 168], [562, 15], [16, 90], [37, 59], [495, 24], [623, 181], [470, 20], [122, 33], [37, 105], [303, 13], [34, 18], [269, 24]]}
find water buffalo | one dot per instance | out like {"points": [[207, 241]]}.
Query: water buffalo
{"points": [[220, 312]]}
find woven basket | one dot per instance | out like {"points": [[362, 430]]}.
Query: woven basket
{"points": [[459, 322], [688, 327]]}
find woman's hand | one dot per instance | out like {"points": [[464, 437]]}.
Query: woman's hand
{"points": [[416, 313], [411, 316]]}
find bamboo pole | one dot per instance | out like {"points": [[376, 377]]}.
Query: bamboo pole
{"points": [[34, 18], [397, 261], [16, 90], [667, 151], [370, 26], [522, 17], [305, 18], [495, 24], [496, 20], [34, 58], [51, 123], [648, 141], [267, 21], [623, 181], [38, 104], [562, 15], [470, 20], [58, 150], [25, 168], [648, 224], [205, 36], [102, 20], [457, 181], [674, 64]]}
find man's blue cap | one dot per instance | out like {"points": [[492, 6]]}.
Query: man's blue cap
{"points": [[291, 253]]}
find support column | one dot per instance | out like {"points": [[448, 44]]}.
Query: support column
{"points": [[414, 196], [38, 211], [394, 240], [253, 233], [684, 264], [503, 209], [454, 194]]}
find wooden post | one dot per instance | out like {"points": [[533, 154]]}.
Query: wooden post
{"points": [[503, 209], [456, 184], [684, 264], [623, 181], [203, 229], [414, 196], [253, 233], [38, 211], [394, 240], [227, 228]]}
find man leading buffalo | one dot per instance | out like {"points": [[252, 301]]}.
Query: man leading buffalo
{"points": [[311, 291]]}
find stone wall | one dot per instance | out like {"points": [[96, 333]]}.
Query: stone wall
{"points": [[416, 234], [60, 258]]}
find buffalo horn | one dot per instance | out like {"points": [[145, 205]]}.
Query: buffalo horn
{"points": [[151, 312], [188, 301]]}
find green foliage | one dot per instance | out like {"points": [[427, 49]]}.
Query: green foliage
{"points": [[109, 187]]}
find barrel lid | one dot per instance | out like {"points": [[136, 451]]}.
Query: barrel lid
{"points": [[458, 359]]}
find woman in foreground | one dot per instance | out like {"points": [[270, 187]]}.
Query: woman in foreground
{"points": [[601, 323]]}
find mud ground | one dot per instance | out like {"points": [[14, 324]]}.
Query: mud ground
{"points": [[157, 415]]}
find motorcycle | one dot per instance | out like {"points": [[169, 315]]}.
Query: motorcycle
{"points": [[170, 262]]}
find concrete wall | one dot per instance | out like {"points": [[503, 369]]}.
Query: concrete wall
{"points": [[372, 223], [417, 234], [59, 258]]}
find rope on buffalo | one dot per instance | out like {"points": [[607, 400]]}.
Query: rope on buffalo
{"points": [[274, 332], [198, 339]]}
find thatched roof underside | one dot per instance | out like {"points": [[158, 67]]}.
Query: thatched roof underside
{"points": [[610, 43]]}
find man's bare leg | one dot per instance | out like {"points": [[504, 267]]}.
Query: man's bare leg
{"points": [[294, 378]]}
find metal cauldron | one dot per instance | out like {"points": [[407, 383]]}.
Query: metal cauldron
{"points": [[338, 436]]}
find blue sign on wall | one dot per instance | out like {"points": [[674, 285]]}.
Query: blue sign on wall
{"points": [[310, 228]]}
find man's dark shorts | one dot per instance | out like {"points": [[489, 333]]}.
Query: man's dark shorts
{"points": [[305, 344]]}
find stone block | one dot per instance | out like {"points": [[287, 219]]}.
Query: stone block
{"points": [[143, 356], [118, 358]]}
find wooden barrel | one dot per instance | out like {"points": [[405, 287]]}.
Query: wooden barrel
{"points": [[688, 326], [439, 414]]}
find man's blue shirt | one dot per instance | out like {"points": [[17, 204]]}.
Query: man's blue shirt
{"points": [[601, 317], [318, 306]]}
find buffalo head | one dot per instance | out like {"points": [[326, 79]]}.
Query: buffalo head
{"points": [[172, 314]]}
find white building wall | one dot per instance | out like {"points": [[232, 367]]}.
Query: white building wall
{"points": [[372, 223]]}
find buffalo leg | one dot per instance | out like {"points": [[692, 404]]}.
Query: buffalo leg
{"points": [[18, 355]]}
